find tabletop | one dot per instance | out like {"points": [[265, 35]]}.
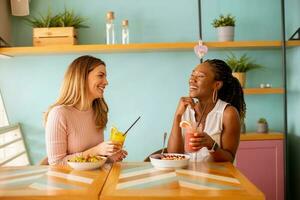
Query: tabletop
{"points": [[51, 182], [199, 181]]}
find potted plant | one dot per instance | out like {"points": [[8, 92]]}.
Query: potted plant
{"points": [[225, 27], [262, 126], [56, 29], [240, 66]]}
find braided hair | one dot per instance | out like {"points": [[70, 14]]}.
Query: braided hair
{"points": [[231, 91]]}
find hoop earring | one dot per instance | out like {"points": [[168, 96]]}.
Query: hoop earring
{"points": [[215, 96]]}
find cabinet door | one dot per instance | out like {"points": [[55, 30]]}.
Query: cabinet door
{"points": [[262, 163]]}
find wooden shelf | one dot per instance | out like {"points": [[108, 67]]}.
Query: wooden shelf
{"points": [[262, 136], [263, 91], [139, 47], [243, 44], [97, 48], [293, 43]]}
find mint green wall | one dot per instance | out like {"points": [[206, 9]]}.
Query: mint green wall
{"points": [[147, 84], [293, 71]]}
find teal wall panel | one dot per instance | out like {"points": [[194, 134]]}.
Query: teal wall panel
{"points": [[149, 21], [255, 20]]}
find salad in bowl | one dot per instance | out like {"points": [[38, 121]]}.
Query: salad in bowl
{"points": [[86, 163]]}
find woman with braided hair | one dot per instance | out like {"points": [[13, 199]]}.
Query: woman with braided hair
{"points": [[215, 108]]}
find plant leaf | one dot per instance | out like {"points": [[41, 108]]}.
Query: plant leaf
{"points": [[242, 64]]}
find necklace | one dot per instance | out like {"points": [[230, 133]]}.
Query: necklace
{"points": [[202, 114]]}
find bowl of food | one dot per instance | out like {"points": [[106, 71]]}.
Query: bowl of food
{"points": [[86, 163], [169, 160]]}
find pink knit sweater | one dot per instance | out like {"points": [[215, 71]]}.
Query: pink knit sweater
{"points": [[69, 132]]}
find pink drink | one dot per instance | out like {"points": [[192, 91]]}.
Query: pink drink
{"points": [[188, 135]]}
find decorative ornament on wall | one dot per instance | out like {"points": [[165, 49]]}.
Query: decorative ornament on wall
{"points": [[200, 49]]}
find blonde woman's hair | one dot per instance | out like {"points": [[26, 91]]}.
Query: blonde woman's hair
{"points": [[74, 89]]}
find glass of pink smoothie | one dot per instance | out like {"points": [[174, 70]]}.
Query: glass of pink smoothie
{"points": [[189, 133]]}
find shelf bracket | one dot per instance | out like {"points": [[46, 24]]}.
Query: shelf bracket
{"points": [[296, 35]]}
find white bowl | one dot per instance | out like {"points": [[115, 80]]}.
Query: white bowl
{"points": [[87, 165], [158, 163]]}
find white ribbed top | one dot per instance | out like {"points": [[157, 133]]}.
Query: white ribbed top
{"points": [[69, 132], [213, 127]]}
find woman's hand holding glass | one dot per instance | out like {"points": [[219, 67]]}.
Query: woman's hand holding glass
{"points": [[108, 148], [200, 139], [118, 156]]}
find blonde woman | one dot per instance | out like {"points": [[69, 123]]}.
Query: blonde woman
{"points": [[75, 122]]}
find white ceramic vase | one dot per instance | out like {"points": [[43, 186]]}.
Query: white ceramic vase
{"points": [[262, 128], [225, 33]]}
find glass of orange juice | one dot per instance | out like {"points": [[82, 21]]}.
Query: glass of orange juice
{"points": [[117, 136]]}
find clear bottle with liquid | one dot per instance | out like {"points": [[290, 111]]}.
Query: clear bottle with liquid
{"points": [[125, 32], [110, 28]]}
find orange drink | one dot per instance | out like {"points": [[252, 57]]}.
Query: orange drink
{"points": [[117, 136]]}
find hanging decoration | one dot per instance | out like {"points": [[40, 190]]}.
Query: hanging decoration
{"points": [[200, 49]]}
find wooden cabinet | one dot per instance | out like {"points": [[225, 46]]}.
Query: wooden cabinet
{"points": [[262, 162]]}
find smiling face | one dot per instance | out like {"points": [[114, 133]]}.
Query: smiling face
{"points": [[202, 82], [97, 82]]}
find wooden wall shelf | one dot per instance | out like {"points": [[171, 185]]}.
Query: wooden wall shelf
{"points": [[262, 136], [263, 91], [243, 44], [138, 47], [293, 43]]}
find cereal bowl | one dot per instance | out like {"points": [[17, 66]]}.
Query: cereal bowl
{"points": [[169, 160], [86, 164]]}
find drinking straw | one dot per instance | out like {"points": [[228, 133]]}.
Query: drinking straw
{"points": [[132, 125]]}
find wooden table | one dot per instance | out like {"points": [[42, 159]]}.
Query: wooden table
{"points": [[198, 181], [45, 182]]}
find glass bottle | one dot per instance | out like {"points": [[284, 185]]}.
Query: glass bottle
{"points": [[125, 32], [110, 28]]}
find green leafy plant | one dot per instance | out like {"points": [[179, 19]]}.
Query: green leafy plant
{"points": [[227, 20], [64, 19], [262, 121], [68, 19], [241, 64]]}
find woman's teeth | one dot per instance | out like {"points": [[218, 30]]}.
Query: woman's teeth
{"points": [[101, 88]]}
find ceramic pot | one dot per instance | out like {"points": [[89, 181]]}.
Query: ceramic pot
{"points": [[241, 76], [262, 127], [225, 33]]}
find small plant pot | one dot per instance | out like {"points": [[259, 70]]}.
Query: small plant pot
{"points": [[262, 128], [225, 33], [241, 76]]}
